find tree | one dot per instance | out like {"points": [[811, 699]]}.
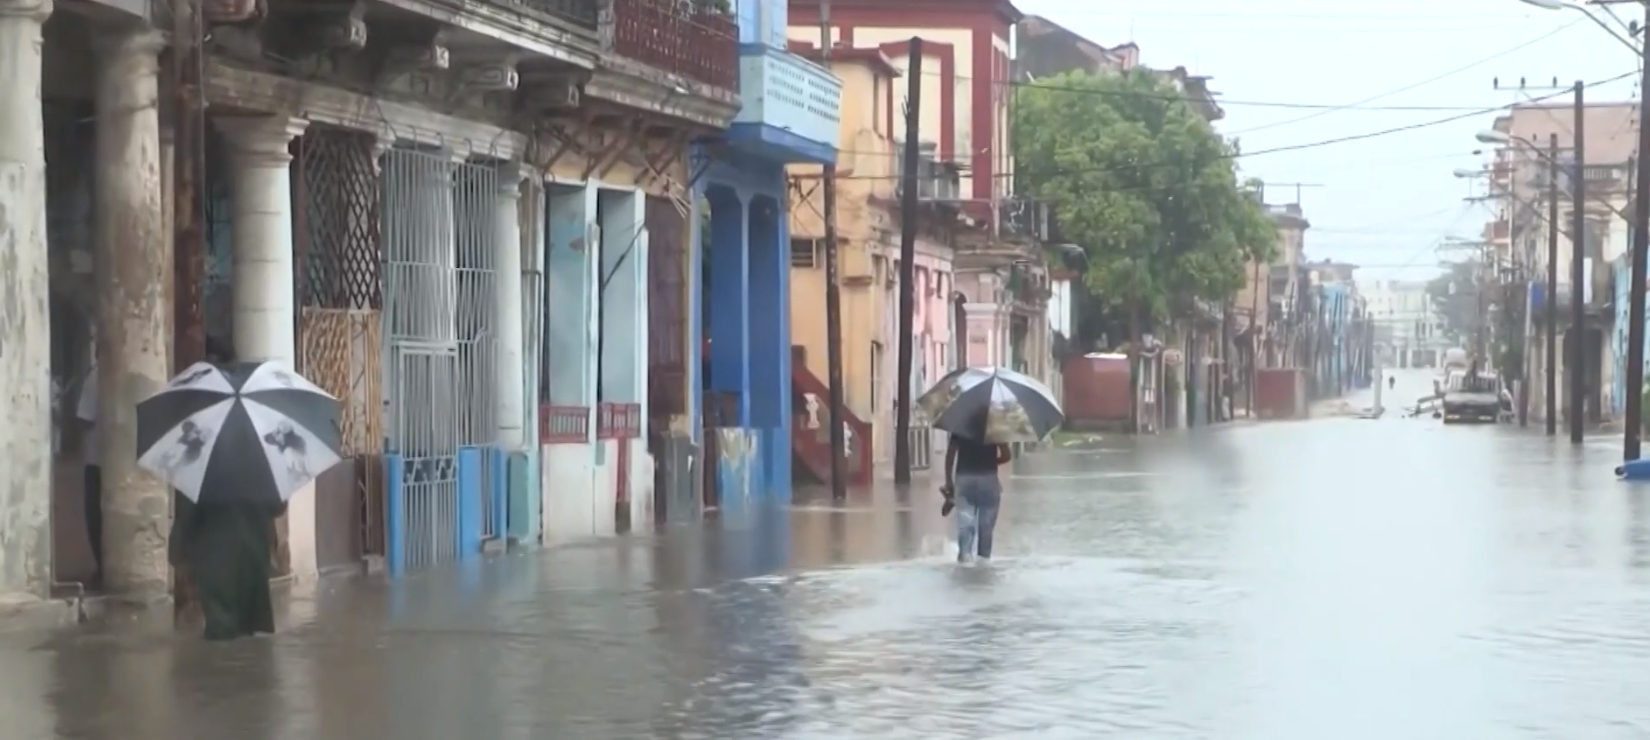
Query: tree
{"points": [[1455, 294], [1144, 185]]}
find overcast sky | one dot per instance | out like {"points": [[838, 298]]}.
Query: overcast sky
{"points": [[1384, 201]]}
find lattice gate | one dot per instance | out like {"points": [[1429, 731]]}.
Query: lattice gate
{"points": [[440, 344], [340, 293], [667, 311]]}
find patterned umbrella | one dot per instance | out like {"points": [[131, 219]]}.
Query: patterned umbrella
{"points": [[238, 432], [991, 404]]}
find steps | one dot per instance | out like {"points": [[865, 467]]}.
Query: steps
{"points": [[811, 433]]}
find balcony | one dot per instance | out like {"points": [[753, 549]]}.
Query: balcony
{"points": [[695, 40], [937, 181], [790, 106], [1023, 218], [582, 14]]}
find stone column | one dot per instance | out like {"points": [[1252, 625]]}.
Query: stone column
{"points": [[25, 341], [511, 386], [265, 317], [133, 269]]}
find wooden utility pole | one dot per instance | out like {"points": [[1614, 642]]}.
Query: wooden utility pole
{"points": [[1551, 307], [1578, 275], [189, 175], [1631, 437], [833, 302], [908, 204]]}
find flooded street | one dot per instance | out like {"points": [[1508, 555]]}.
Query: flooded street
{"points": [[1283, 581]]}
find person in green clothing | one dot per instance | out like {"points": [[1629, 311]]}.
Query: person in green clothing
{"points": [[227, 548]]}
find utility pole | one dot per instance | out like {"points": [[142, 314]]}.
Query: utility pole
{"points": [[908, 205], [1578, 275], [1630, 447], [833, 302], [189, 175], [1551, 307]]}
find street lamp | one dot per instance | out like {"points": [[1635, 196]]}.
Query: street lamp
{"points": [[1587, 11], [1493, 137], [1631, 429], [1467, 174]]}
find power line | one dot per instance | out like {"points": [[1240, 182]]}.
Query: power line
{"points": [[1320, 107], [1423, 83], [1293, 147]]}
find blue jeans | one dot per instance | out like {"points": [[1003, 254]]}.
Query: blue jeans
{"points": [[979, 497]]}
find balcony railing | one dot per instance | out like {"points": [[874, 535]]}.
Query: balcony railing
{"points": [[682, 37], [786, 91], [583, 14]]}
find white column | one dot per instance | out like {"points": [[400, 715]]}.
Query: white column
{"points": [[507, 308], [265, 318], [25, 341], [133, 267]]}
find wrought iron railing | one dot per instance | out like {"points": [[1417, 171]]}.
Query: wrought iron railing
{"points": [[695, 40], [580, 13], [618, 421], [564, 424]]}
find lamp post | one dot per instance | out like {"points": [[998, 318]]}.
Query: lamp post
{"points": [[1634, 425]]}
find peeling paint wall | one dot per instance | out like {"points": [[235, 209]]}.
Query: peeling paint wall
{"points": [[738, 467], [25, 341]]}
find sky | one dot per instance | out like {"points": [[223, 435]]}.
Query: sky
{"points": [[1385, 201]]}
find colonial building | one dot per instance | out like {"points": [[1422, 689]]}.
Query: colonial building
{"points": [[790, 117], [868, 235], [473, 228], [997, 235]]}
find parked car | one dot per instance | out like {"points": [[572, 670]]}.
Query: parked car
{"points": [[1472, 397]]}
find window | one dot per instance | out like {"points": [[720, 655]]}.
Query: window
{"points": [[805, 253], [878, 115], [876, 374]]}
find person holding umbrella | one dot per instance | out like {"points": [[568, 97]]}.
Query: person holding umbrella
{"points": [[971, 472], [236, 440], [984, 410]]}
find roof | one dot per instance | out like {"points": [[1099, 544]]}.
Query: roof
{"points": [[1036, 25], [865, 55], [1612, 136]]}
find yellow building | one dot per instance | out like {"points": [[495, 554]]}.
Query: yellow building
{"points": [[868, 230]]}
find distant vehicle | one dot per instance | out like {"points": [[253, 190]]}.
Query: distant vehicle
{"points": [[1472, 397], [1454, 359]]}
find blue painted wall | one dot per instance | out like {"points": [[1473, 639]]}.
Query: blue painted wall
{"points": [[749, 310]]}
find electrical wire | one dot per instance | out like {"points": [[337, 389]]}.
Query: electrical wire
{"points": [[1321, 108], [1295, 147]]}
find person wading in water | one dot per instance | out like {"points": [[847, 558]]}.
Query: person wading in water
{"points": [[971, 475]]}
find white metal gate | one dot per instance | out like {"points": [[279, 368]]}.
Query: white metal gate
{"points": [[439, 271]]}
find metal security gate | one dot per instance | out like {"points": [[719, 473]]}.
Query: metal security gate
{"points": [[336, 236], [439, 272]]}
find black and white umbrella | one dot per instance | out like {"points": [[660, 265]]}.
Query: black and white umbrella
{"points": [[991, 404], [251, 432]]}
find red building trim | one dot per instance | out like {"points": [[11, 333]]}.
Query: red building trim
{"points": [[988, 68]]}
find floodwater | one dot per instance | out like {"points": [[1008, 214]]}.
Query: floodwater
{"points": [[1285, 581]]}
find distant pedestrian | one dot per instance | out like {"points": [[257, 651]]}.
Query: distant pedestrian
{"points": [[971, 476], [1392, 381]]}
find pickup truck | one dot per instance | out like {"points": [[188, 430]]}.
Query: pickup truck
{"points": [[1472, 397]]}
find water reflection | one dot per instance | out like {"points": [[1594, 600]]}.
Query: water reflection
{"points": [[1283, 581]]}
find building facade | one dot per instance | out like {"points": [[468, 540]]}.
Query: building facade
{"points": [[868, 232], [790, 116], [1516, 238], [481, 249]]}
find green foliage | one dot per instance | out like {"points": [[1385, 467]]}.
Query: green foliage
{"points": [[1143, 183], [1457, 306]]}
